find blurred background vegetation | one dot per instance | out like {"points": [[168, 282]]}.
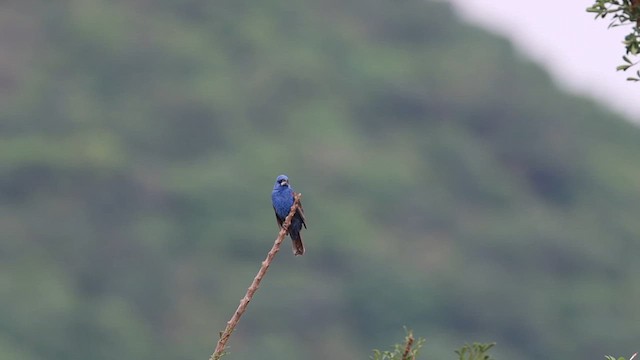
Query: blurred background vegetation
{"points": [[449, 185]]}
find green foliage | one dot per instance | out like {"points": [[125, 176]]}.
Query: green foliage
{"points": [[475, 351], [609, 357], [408, 350], [622, 13]]}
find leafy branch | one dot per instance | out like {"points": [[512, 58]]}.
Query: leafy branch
{"points": [[244, 302], [609, 357], [476, 351], [622, 13], [410, 348], [405, 351]]}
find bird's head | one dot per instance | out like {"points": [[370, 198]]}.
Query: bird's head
{"points": [[281, 181]]}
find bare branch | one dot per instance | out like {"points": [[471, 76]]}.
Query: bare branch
{"points": [[244, 302]]}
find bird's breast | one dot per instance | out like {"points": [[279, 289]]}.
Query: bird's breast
{"points": [[282, 202]]}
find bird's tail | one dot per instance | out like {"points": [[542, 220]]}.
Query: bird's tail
{"points": [[298, 246]]}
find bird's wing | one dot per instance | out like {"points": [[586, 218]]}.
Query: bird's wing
{"points": [[277, 218], [301, 213]]}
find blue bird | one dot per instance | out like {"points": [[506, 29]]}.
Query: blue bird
{"points": [[282, 201]]}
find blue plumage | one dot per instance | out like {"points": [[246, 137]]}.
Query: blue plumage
{"points": [[282, 201]]}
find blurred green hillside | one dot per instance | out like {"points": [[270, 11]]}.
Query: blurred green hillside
{"points": [[449, 185]]}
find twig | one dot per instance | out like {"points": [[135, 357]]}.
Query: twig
{"points": [[407, 348], [244, 302]]}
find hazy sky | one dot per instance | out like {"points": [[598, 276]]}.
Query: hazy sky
{"points": [[579, 52]]}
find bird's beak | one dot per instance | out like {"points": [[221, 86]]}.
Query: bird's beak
{"points": [[284, 182]]}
